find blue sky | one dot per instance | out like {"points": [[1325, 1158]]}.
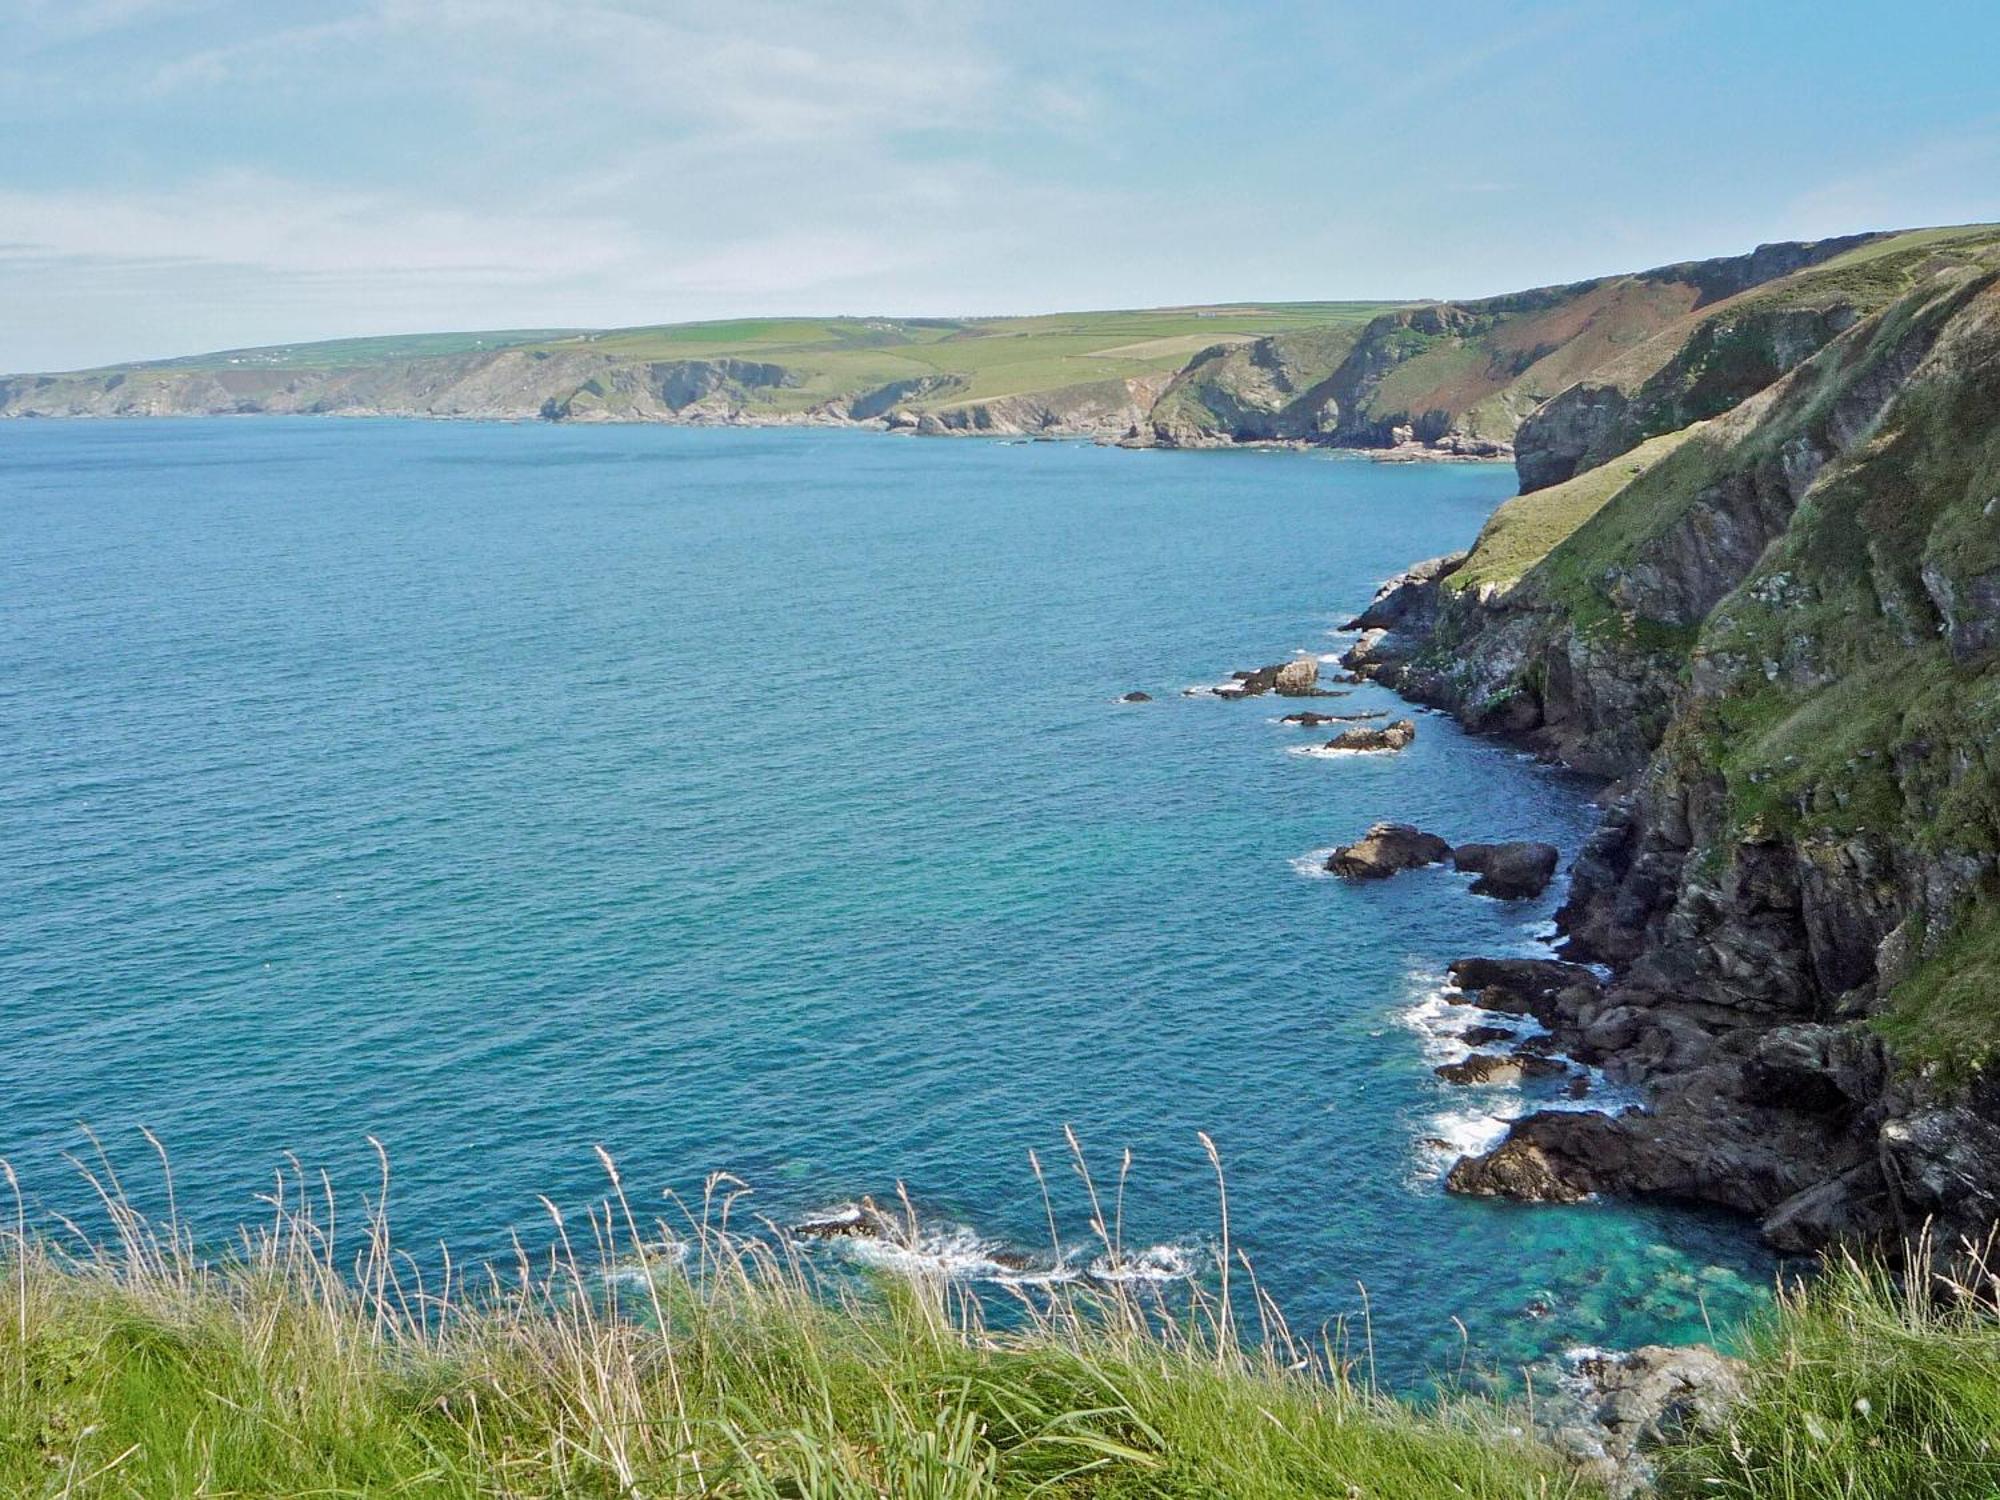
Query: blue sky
{"points": [[194, 174]]}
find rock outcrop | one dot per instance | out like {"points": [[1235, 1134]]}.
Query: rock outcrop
{"points": [[1386, 849], [1397, 736], [1782, 639], [1611, 1410], [1511, 871]]}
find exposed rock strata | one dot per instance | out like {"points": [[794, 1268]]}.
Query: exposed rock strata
{"points": [[1781, 640]]}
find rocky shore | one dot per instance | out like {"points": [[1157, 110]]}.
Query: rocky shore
{"points": [[1777, 647]]}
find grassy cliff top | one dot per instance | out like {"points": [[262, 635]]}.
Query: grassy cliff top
{"points": [[988, 356]]}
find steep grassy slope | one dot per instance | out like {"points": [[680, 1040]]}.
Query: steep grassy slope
{"points": [[1783, 633], [1729, 349], [1463, 375]]}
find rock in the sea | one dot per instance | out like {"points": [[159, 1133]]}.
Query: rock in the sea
{"points": [[1492, 1067], [1385, 849], [1253, 684], [1313, 720], [1137, 698], [1396, 736], [866, 1220], [1536, 977], [1517, 1169], [1485, 1036], [1298, 678], [1609, 1410], [1512, 872]]}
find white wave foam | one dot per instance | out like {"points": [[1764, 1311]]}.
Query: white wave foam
{"points": [[1312, 864], [1453, 1133], [953, 1254], [1326, 752], [1154, 1263], [957, 1253]]}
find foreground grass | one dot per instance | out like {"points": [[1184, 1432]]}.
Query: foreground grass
{"points": [[1861, 1387], [694, 1360], [689, 1360]]}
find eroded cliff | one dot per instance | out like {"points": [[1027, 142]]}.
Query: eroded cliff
{"points": [[1778, 629]]}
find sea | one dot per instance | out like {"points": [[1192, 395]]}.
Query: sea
{"points": [[763, 802]]}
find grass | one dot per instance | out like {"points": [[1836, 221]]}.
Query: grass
{"points": [[1861, 1386], [334, 354], [688, 1357], [995, 356], [1947, 1014], [673, 1358], [1527, 528]]}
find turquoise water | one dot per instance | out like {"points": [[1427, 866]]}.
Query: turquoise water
{"points": [[760, 801]]}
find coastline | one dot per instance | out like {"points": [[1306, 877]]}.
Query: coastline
{"points": [[1413, 452]]}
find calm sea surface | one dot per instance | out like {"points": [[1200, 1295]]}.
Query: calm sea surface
{"points": [[760, 801]]}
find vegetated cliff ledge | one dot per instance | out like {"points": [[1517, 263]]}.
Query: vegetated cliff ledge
{"points": [[1436, 380], [1777, 628]]}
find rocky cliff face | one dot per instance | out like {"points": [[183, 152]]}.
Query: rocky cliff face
{"points": [[1460, 377], [1780, 638]]}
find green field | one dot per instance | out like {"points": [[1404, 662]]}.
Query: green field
{"points": [[983, 357], [338, 354]]}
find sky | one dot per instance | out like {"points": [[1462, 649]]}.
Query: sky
{"points": [[187, 175]]}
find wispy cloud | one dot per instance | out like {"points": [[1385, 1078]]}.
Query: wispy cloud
{"points": [[187, 173]]}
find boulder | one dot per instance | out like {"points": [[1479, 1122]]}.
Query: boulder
{"points": [[1485, 1036], [1609, 1409], [1493, 1067], [1252, 684], [866, 1220], [1298, 678], [1538, 978], [1512, 871], [1396, 736], [1313, 720], [1385, 849], [1137, 698], [1518, 1169]]}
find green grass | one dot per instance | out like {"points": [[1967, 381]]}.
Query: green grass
{"points": [[337, 354], [991, 357], [1860, 1388], [679, 1359], [1527, 528], [686, 1358], [1947, 1014]]}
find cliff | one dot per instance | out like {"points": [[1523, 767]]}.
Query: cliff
{"points": [[1461, 377], [1086, 374], [1624, 357], [1776, 626]]}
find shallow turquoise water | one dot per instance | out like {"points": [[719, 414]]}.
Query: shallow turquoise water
{"points": [[760, 801]]}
